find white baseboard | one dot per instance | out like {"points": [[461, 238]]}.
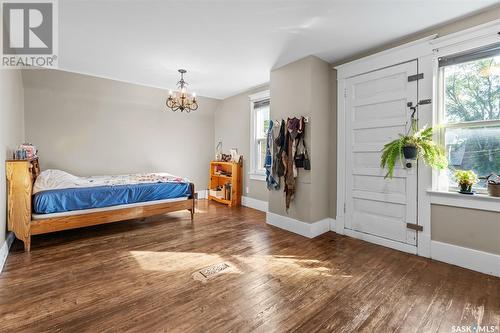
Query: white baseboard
{"points": [[202, 194], [255, 203], [332, 224], [475, 260], [424, 245], [381, 241], [309, 230], [4, 250]]}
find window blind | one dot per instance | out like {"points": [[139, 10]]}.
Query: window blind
{"points": [[261, 104], [480, 53]]}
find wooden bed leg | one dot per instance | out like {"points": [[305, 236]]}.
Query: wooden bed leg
{"points": [[27, 244], [193, 198]]}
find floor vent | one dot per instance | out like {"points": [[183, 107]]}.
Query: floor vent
{"points": [[210, 272]]}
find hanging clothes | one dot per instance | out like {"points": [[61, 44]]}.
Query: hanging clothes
{"points": [[279, 152], [294, 130], [272, 182]]}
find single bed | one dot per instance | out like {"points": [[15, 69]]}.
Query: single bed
{"points": [[56, 200]]}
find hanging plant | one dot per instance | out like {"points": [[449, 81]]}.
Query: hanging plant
{"points": [[415, 145]]}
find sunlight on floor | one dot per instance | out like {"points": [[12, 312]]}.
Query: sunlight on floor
{"points": [[273, 264], [174, 261]]}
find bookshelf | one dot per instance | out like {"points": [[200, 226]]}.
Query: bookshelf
{"points": [[221, 174]]}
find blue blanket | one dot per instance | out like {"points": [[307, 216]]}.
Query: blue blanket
{"points": [[64, 200]]}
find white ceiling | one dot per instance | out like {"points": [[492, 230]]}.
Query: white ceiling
{"points": [[231, 45]]}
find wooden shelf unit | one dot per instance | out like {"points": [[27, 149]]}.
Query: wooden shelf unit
{"points": [[235, 171]]}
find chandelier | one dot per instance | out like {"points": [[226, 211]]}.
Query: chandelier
{"points": [[180, 100]]}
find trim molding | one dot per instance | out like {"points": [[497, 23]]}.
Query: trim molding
{"points": [[476, 201], [255, 203], [4, 250], [309, 230], [390, 57], [332, 224], [381, 241], [484, 262], [202, 194]]}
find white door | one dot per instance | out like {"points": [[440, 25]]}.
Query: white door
{"points": [[376, 113]]}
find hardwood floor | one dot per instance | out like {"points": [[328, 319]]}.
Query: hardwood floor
{"points": [[137, 276]]}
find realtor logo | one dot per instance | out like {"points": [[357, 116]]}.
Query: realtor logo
{"points": [[29, 33]]}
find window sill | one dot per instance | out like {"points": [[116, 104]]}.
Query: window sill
{"points": [[475, 201], [257, 176]]}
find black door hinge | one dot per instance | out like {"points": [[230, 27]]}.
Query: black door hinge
{"points": [[414, 226], [415, 77]]}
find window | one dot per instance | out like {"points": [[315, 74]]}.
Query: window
{"points": [[259, 120], [469, 112]]}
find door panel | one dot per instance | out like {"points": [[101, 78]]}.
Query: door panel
{"points": [[376, 114]]}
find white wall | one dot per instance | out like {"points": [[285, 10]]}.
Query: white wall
{"points": [[11, 131], [87, 126], [232, 127]]}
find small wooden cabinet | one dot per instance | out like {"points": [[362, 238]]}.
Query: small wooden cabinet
{"points": [[225, 176], [21, 175]]}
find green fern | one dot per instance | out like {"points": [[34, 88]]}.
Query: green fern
{"points": [[428, 151]]}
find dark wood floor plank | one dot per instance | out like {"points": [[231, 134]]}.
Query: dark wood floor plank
{"points": [[136, 276]]}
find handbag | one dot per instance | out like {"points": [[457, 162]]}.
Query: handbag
{"points": [[307, 161], [302, 158]]}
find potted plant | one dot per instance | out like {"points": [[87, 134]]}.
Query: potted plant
{"points": [[416, 145], [465, 179]]}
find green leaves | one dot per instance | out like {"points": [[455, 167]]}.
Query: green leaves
{"points": [[466, 177], [432, 154]]}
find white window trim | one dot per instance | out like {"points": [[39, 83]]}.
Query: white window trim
{"points": [[253, 173], [474, 201], [463, 41]]}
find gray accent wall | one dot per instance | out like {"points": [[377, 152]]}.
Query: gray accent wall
{"points": [[471, 228], [11, 131], [232, 127], [90, 126], [302, 88]]}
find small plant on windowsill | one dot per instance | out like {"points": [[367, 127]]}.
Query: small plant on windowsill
{"points": [[465, 179], [417, 144]]}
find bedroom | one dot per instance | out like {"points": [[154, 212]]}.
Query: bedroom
{"points": [[343, 249]]}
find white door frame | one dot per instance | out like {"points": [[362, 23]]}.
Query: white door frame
{"points": [[420, 50]]}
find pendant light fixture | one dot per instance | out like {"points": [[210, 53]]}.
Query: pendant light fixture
{"points": [[180, 100]]}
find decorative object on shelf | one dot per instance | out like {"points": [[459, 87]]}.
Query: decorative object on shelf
{"points": [[180, 100], [25, 151], [226, 158], [493, 181], [235, 157], [412, 146], [465, 179], [218, 151], [225, 182]]}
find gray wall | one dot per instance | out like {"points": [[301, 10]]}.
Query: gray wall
{"points": [[303, 88], [232, 127], [475, 229], [87, 125], [11, 131]]}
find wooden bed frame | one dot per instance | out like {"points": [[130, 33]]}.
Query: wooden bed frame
{"points": [[21, 175]]}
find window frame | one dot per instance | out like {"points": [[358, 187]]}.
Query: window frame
{"points": [[255, 173], [440, 179]]}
